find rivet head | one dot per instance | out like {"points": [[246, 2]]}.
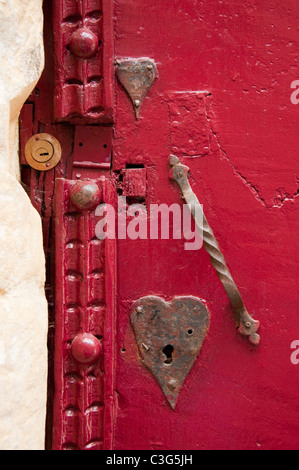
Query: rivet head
{"points": [[83, 43], [85, 195], [172, 384], [86, 348]]}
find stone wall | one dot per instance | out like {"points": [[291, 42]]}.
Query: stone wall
{"points": [[23, 307]]}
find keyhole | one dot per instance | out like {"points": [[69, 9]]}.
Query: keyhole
{"points": [[168, 350]]}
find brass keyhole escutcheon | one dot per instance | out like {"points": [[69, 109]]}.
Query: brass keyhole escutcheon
{"points": [[42, 152]]}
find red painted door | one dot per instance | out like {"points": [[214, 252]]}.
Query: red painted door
{"points": [[144, 352]]}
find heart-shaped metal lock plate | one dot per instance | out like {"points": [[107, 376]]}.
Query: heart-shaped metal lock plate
{"points": [[169, 337]]}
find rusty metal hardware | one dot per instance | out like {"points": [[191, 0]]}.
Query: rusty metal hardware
{"points": [[42, 152], [85, 195], [169, 337], [245, 324], [137, 77]]}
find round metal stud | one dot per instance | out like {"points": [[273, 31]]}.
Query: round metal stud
{"points": [[83, 43], [85, 195], [86, 348], [42, 152], [172, 384]]}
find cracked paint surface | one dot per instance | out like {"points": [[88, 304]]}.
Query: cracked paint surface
{"points": [[192, 135]]}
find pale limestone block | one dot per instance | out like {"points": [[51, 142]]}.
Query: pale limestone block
{"points": [[22, 60], [23, 307]]}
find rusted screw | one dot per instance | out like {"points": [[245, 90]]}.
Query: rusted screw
{"points": [[139, 309], [248, 324], [172, 384]]}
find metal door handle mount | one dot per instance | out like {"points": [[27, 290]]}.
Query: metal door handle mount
{"points": [[245, 324]]}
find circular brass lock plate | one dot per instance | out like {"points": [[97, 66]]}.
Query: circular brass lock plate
{"points": [[42, 152]]}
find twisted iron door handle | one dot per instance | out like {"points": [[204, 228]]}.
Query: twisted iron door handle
{"points": [[245, 324]]}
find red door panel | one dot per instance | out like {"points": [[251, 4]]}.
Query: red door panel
{"points": [[211, 83]]}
